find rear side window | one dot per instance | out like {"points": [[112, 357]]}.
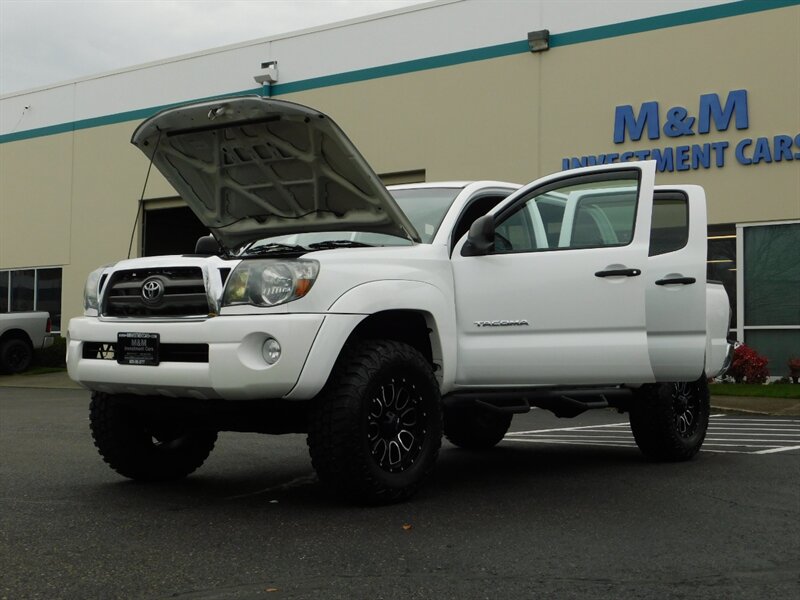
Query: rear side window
{"points": [[669, 230], [604, 220]]}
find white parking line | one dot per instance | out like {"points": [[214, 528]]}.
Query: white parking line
{"points": [[776, 450], [776, 431], [752, 420], [726, 434], [574, 442], [568, 428]]}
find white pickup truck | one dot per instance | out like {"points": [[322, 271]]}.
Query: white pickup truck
{"points": [[20, 334], [377, 319]]}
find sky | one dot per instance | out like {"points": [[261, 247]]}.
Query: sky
{"points": [[50, 41]]}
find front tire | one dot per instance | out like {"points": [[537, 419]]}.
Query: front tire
{"points": [[475, 428], [145, 447], [669, 420], [375, 433]]}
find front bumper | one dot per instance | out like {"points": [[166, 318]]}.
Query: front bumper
{"points": [[235, 369]]}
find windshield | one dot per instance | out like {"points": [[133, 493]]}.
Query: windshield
{"points": [[424, 207]]}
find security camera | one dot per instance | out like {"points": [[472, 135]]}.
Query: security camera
{"points": [[266, 78], [270, 75]]}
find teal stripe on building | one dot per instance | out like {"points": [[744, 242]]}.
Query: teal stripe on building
{"points": [[688, 17]]}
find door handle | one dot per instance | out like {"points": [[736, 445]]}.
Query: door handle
{"points": [[677, 281], [619, 273]]}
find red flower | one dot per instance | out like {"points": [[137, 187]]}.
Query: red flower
{"points": [[748, 365]]}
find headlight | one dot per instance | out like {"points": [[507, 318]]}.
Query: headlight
{"points": [[270, 282], [91, 292]]}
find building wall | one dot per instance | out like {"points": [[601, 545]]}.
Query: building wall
{"points": [[461, 102]]}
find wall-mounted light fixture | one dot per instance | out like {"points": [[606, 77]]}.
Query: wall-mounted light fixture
{"points": [[539, 41], [270, 76]]}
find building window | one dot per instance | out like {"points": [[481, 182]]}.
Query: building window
{"points": [[769, 291], [23, 290], [721, 265], [32, 289], [4, 291]]}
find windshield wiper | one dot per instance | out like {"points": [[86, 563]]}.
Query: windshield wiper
{"points": [[338, 244], [273, 248]]}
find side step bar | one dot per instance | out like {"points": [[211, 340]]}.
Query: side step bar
{"points": [[562, 402]]}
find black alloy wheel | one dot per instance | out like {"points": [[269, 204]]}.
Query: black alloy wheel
{"points": [[669, 420], [375, 431], [686, 404], [396, 425], [16, 355]]}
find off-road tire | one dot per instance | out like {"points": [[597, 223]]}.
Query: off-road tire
{"points": [[142, 446], [475, 428], [375, 432], [16, 355], [669, 420]]}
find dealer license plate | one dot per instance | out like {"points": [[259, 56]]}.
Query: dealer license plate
{"points": [[137, 348]]}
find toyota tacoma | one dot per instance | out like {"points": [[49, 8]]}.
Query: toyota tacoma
{"points": [[376, 319]]}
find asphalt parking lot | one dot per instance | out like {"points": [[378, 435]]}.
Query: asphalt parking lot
{"points": [[560, 509]]}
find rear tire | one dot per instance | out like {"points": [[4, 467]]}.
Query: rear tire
{"points": [[475, 428], [375, 433], [16, 355], [669, 420], [145, 447]]}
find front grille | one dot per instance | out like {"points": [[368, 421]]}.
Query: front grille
{"points": [[192, 353], [184, 293]]}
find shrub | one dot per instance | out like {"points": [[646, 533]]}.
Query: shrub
{"points": [[794, 368], [748, 366]]}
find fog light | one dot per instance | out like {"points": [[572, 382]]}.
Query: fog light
{"points": [[271, 351]]}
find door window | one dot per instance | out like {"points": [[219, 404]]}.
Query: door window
{"points": [[670, 223], [592, 212]]}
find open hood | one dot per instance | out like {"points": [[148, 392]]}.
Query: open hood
{"points": [[252, 167]]}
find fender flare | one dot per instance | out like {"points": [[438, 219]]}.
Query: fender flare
{"points": [[370, 298]]}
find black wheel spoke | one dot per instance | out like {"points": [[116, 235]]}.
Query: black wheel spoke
{"points": [[685, 402], [394, 431]]}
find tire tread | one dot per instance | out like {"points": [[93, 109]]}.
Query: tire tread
{"points": [[125, 446], [336, 450]]}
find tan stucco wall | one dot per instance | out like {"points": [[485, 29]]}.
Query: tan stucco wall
{"points": [[516, 118], [71, 199], [36, 201], [758, 52], [460, 122]]}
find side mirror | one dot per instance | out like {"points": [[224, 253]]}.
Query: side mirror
{"points": [[480, 240], [207, 246]]}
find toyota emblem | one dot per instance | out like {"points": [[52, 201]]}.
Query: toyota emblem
{"points": [[152, 290]]}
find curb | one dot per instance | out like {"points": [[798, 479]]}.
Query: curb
{"points": [[777, 407]]}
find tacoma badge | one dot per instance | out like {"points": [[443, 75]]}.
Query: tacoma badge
{"points": [[503, 323]]}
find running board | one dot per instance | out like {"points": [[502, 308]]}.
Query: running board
{"points": [[562, 402]]}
